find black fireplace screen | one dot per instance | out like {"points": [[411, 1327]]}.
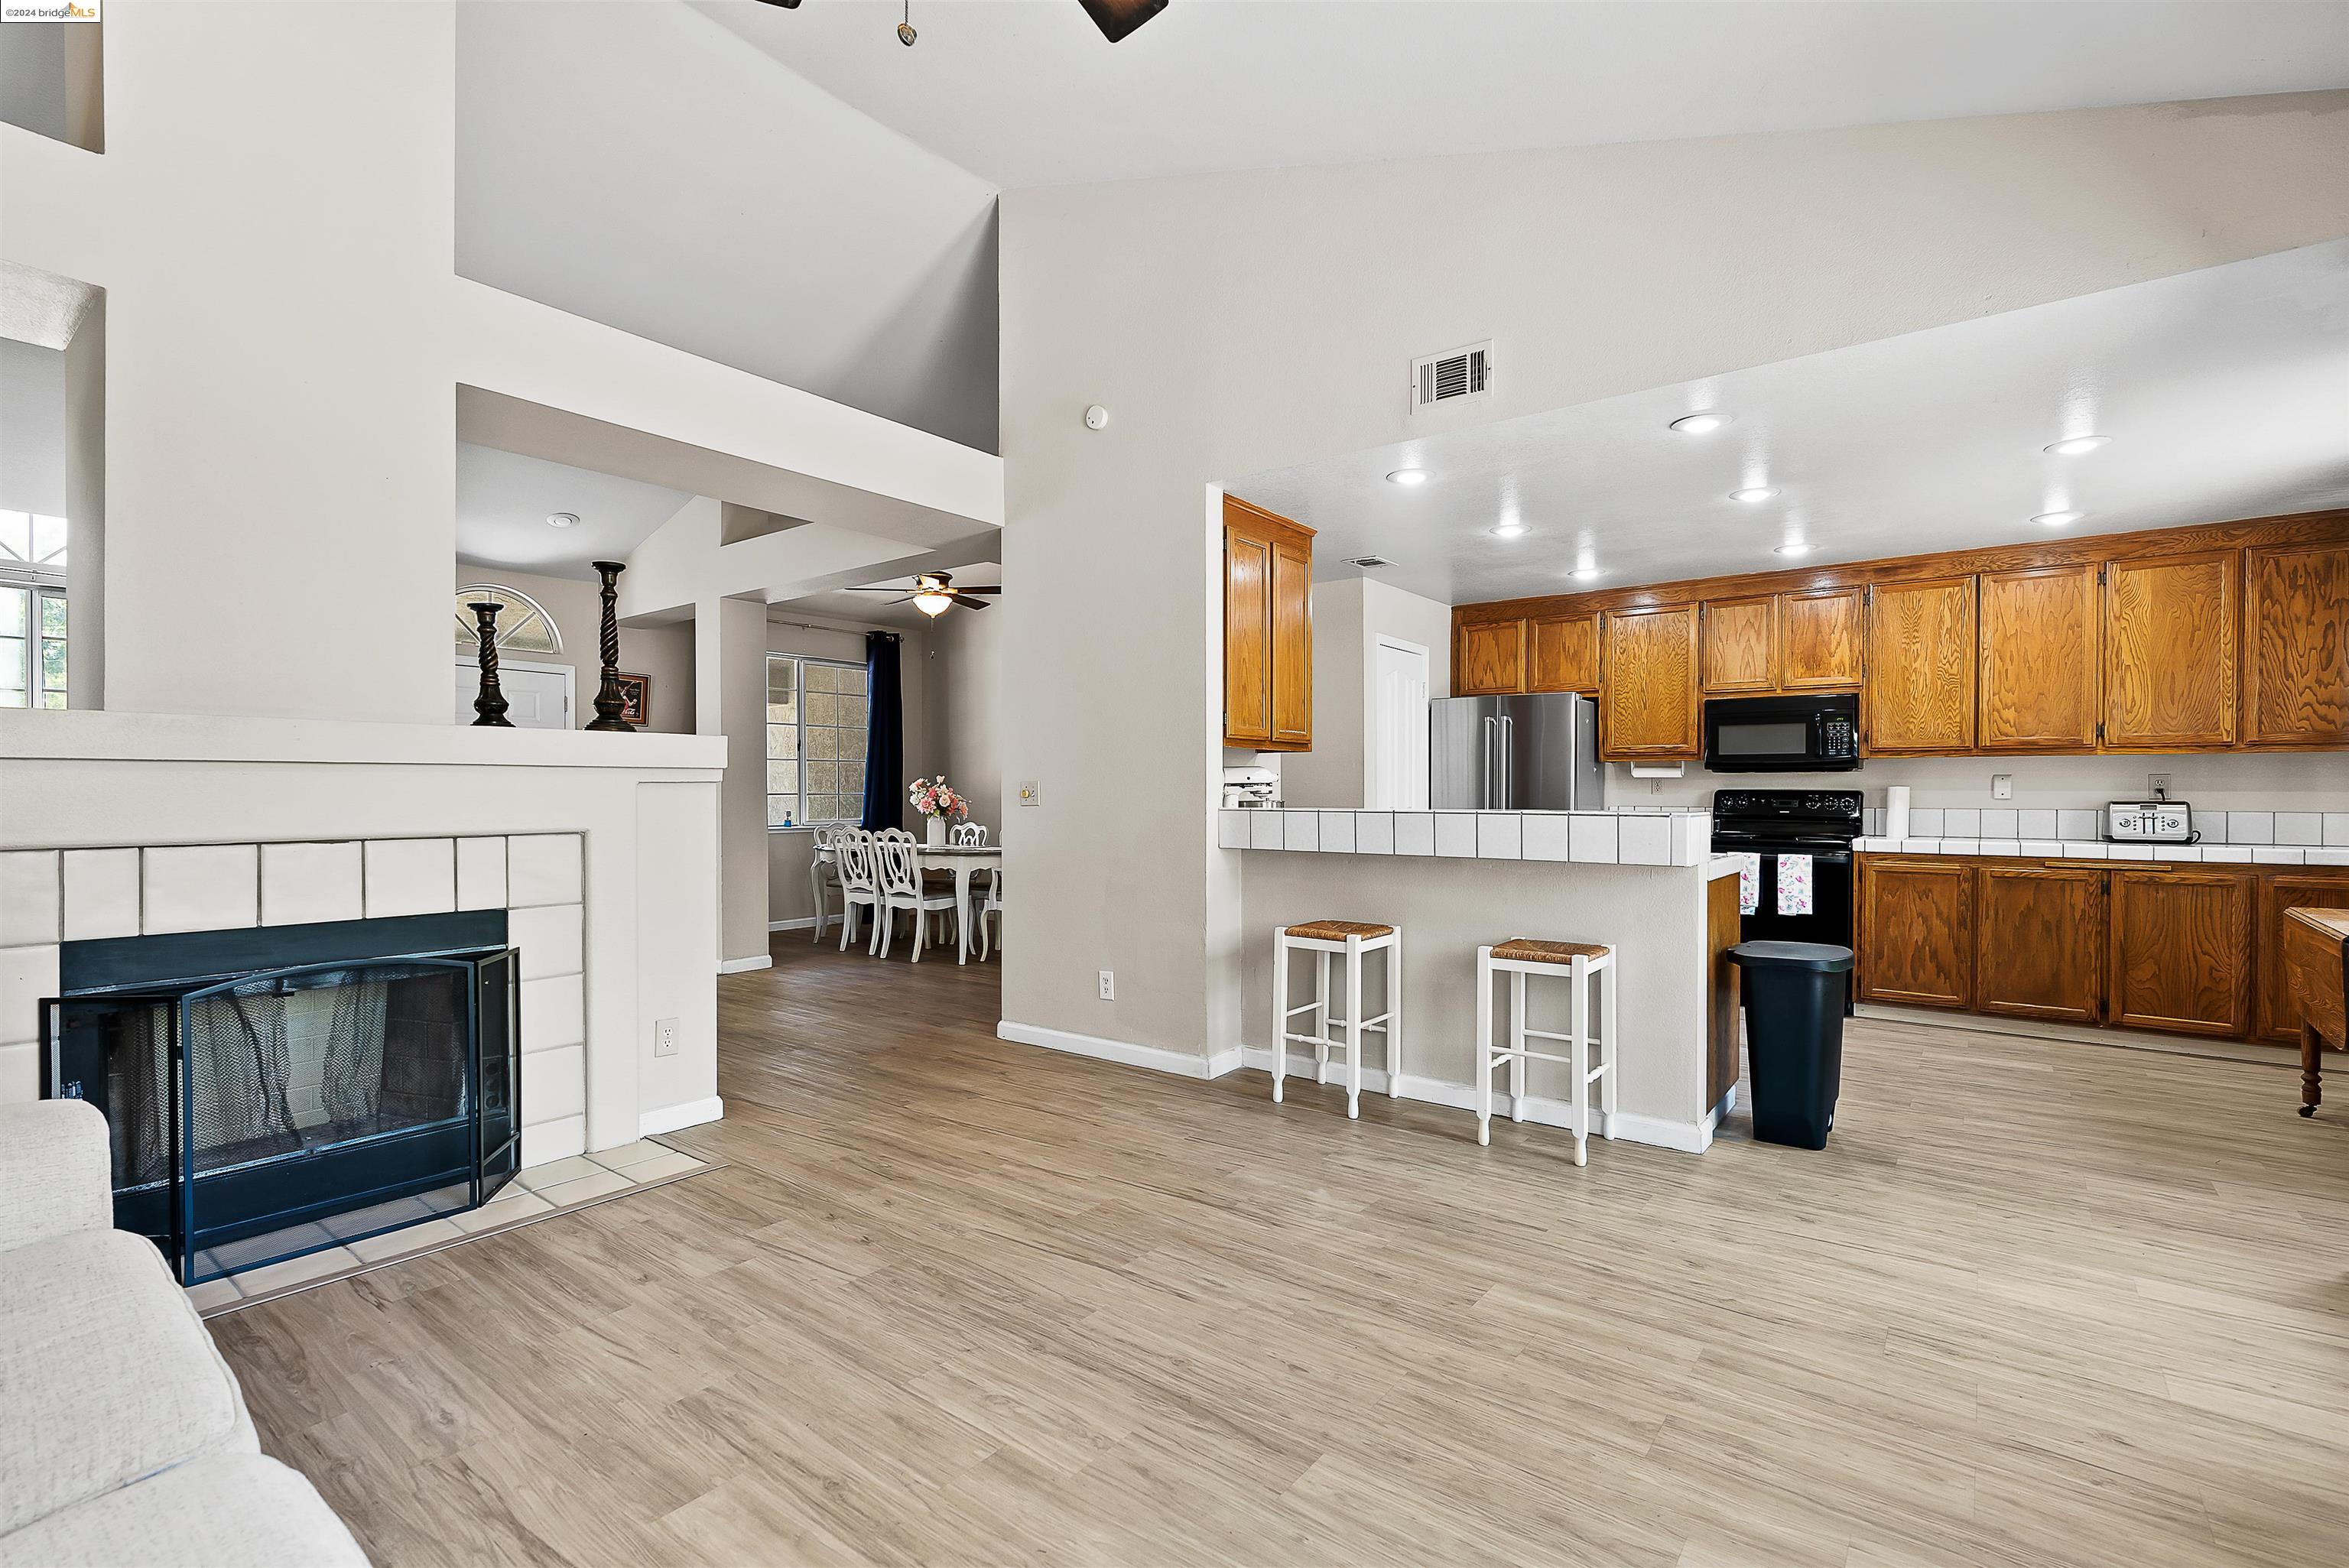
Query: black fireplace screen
{"points": [[276, 1112]]}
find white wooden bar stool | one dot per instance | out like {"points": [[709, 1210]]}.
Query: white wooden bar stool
{"points": [[1347, 940], [1521, 959]]}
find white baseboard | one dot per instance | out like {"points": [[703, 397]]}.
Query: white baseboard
{"points": [[744, 966], [1685, 1137], [670, 1118], [1183, 1064], [1224, 1062], [804, 922]]}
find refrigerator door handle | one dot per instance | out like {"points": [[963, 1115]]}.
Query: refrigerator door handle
{"points": [[1492, 748], [1508, 762]]}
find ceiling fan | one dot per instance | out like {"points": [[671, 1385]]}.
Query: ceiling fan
{"points": [[935, 594], [1115, 18]]}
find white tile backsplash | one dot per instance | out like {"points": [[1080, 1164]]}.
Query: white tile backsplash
{"points": [[2299, 827], [1962, 822], [2251, 827], [2336, 830], [1998, 823], [30, 895], [2035, 822], [2070, 824], [200, 887], [2211, 825]]}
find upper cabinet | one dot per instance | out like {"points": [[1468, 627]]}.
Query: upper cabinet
{"points": [[1741, 645], [1267, 629], [2038, 646], [1563, 651], [1488, 658], [1648, 701], [1819, 640], [1918, 699], [2169, 652], [2296, 645]]}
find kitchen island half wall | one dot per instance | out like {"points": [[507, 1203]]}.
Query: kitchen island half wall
{"points": [[1678, 991]]}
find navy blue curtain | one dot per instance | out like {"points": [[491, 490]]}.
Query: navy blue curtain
{"points": [[885, 735]]}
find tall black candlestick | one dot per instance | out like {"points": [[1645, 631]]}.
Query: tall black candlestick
{"points": [[491, 703], [610, 701]]}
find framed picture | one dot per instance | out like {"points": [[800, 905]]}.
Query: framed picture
{"points": [[637, 691]]}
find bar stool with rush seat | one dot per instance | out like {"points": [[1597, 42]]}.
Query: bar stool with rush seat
{"points": [[1520, 959], [1350, 941]]}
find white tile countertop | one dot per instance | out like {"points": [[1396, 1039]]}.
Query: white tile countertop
{"points": [[2259, 854], [1633, 837]]}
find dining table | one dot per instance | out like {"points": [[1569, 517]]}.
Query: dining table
{"points": [[963, 861]]}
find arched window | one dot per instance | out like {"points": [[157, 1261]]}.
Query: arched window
{"points": [[524, 626]]}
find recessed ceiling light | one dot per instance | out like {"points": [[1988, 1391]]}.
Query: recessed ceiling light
{"points": [[2073, 446], [1793, 547], [562, 520], [1753, 493], [1509, 531], [1408, 477], [2058, 518], [1584, 572], [1699, 424]]}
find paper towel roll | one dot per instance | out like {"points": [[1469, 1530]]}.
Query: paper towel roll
{"points": [[1896, 811]]}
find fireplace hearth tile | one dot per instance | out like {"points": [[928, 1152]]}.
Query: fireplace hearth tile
{"points": [[28, 898], [668, 1164], [309, 1266], [554, 1173], [101, 894], [480, 873], [410, 1239], [213, 1293], [549, 938], [629, 1154], [603, 1183], [411, 876], [303, 884], [516, 1202], [541, 868], [201, 887]]}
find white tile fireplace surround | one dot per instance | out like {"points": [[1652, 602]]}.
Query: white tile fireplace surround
{"points": [[602, 849]]}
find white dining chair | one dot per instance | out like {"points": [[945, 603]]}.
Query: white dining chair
{"points": [[967, 835], [900, 867], [823, 874], [989, 903], [860, 883]]}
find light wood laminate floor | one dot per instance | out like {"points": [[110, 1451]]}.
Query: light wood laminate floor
{"points": [[958, 1301]]}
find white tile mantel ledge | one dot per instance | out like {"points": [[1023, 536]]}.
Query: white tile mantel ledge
{"points": [[2097, 850], [1631, 836], [87, 735]]}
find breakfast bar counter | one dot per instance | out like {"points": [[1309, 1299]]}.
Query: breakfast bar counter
{"points": [[1643, 882]]}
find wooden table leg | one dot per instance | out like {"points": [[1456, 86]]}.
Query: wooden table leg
{"points": [[2311, 1072]]}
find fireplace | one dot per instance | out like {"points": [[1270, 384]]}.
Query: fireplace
{"points": [[275, 1091]]}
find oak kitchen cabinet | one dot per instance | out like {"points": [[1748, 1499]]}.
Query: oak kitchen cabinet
{"points": [[1563, 653], [1648, 699], [1488, 659], [1915, 927], [2296, 645], [1741, 645], [2038, 660], [2181, 949], [2039, 947], [1820, 636], [2169, 652], [1267, 629], [2274, 1016], [1918, 699]]}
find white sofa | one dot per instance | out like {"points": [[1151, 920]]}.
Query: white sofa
{"points": [[125, 1439]]}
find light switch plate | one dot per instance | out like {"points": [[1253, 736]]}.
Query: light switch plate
{"points": [[665, 1038], [1028, 793], [2001, 785]]}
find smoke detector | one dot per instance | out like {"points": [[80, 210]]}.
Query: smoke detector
{"points": [[562, 520]]}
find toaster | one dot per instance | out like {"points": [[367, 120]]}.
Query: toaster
{"points": [[2149, 822]]}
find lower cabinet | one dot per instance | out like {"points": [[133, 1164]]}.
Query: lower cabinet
{"points": [[1916, 933], [2040, 948], [2186, 949]]}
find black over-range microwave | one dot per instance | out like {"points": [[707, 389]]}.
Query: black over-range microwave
{"points": [[1782, 734]]}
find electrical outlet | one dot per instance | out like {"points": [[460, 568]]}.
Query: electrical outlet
{"points": [[2159, 784], [2001, 785], [1655, 786], [1108, 986], [665, 1038], [1029, 794]]}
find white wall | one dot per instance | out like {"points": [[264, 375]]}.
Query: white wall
{"points": [[663, 653], [1350, 616], [967, 656], [32, 427], [1597, 272]]}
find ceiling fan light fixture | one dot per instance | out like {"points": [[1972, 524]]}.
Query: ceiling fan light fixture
{"points": [[933, 602], [1116, 18]]}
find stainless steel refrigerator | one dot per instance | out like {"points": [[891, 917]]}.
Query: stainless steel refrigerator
{"points": [[1534, 753]]}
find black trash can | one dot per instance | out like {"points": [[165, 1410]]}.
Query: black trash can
{"points": [[1794, 1036]]}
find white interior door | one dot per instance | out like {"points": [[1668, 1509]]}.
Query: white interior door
{"points": [[538, 696], [1398, 748]]}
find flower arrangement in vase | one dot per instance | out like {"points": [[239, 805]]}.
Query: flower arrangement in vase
{"points": [[937, 800]]}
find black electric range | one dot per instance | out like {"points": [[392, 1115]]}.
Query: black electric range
{"points": [[1818, 823]]}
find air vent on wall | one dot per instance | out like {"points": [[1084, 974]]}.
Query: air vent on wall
{"points": [[1367, 562], [1452, 376]]}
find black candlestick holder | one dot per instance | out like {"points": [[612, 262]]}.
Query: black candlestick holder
{"points": [[490, 705], [610, 700]]}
